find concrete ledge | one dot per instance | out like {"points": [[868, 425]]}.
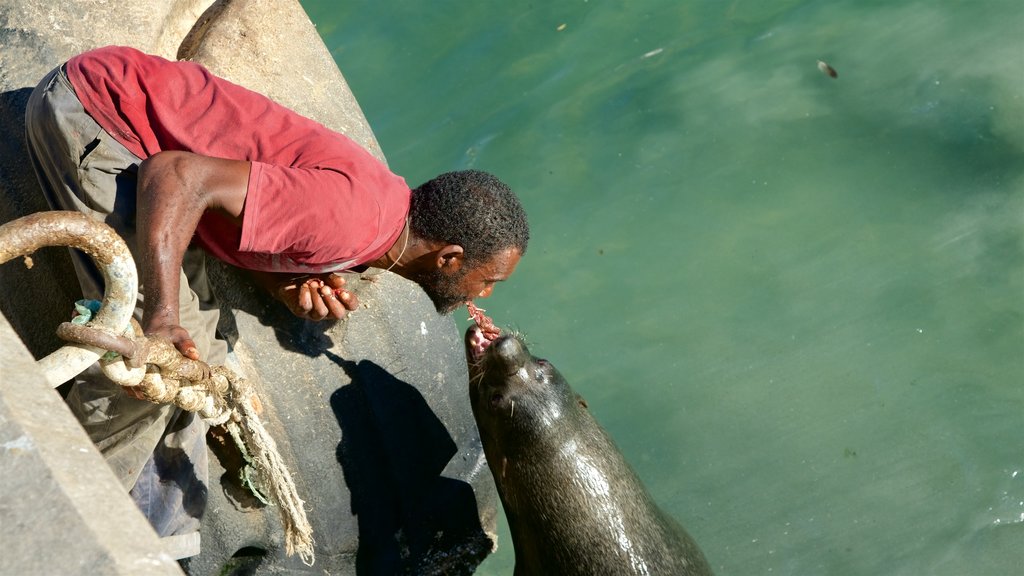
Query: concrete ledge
{"points": [[62, 511]]}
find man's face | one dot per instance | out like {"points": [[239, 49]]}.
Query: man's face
{"points": [[448, 291]]}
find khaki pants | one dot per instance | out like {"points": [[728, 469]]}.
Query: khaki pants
{"points": [[157, 451]]}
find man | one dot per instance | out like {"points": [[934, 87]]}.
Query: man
{"points": [[170, 155]]}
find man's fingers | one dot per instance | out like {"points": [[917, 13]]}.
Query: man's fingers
{"points": [[349, 300], [335, 281], [319, 309], [320, 298], [341, 302], [305, 298], [187, 348], [335, 309], [177, 336]]}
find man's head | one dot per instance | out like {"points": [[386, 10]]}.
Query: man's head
{"points": [[480, 230]]}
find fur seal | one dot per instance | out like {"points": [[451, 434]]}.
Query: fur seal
{"points": [[573, 503]]}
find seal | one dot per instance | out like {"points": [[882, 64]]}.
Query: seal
{"points": [[573, 503]]}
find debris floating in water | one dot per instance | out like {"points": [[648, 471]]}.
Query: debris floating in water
{"points": [[827, 70]]}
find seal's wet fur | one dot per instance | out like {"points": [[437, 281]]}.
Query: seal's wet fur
{"points": [[574, 505]]}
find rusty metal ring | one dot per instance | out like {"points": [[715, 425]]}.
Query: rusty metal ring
{"points": [[84, 334]]}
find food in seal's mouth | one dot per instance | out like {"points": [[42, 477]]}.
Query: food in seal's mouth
{"points": [[479, 337], [485, 324]]}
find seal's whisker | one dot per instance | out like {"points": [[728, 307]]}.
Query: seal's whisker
{"points": [[513, 414], [477, 379], [520, 335]]}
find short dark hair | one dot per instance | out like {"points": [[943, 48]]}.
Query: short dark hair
{"points": [[470, 208]]}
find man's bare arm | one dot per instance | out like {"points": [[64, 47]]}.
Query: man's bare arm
{"points": [[174, 190]]}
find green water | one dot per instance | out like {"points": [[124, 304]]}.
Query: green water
{"points": [[796, 302]]}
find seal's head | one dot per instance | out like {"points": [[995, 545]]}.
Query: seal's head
{"points": [[573, 503], [518, 400]]}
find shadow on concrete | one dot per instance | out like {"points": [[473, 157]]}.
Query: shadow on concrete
{"points": [[392, 453]]}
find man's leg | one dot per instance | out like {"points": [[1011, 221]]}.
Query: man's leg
{"points": [[80, 167]]}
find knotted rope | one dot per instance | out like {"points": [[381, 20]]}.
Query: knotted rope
{"points": [[220, 396], [154, 366]]}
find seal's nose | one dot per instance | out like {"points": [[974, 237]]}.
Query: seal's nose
{"points": [[510, 352]]}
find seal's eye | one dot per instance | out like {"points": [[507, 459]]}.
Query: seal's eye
{"points": [[543, 370], [496, 399]]}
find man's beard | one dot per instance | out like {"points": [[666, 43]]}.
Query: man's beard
{"points": [[443, 289]]}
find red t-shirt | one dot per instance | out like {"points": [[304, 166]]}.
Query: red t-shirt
{"points": [[316, 200]]}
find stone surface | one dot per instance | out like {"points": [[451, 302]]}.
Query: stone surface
{"points": [[40, 34], [62, 511]]}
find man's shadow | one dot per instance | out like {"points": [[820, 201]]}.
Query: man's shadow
{"points": [[392, 453]]}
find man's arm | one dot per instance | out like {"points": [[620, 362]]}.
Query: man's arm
{"points": [[174, 189]]}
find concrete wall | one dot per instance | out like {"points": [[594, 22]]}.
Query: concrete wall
{"points": [[62, 511]]}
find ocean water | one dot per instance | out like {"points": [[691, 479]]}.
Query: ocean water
{"points": [[795, 301]]}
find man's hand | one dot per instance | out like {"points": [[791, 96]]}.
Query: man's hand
{"points": [[162, 323], [317, 297], [159, 327]]}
